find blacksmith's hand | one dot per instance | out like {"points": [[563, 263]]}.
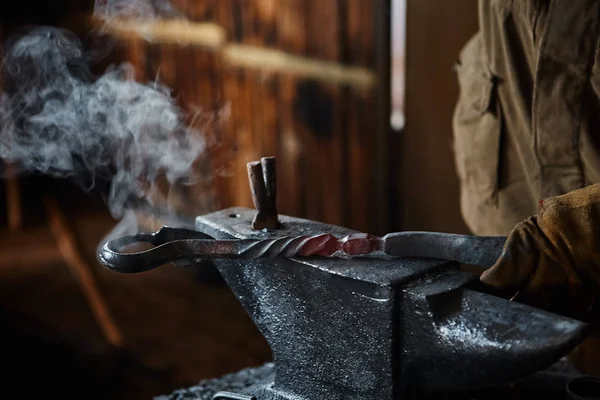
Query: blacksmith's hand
{"points": [[552, 260]]}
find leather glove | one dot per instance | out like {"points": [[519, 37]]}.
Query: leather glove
{"points": [[552, 260]]}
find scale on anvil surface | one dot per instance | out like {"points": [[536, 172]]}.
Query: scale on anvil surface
{"points": [[378, 327]]}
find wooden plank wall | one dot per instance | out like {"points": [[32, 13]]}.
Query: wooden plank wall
{"points": [[326, 136], [426, 192]]}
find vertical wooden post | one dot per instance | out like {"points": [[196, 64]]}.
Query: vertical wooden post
{"points": [[13, 199], [82, 270]]}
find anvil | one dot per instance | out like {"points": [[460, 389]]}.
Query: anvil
{"points": [[374, 328]]}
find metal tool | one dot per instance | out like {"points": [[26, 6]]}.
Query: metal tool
{"points": [[177, 245], [357, 317], [367, 327], [262, 176]]}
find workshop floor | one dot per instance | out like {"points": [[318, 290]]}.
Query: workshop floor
{"points": [[179, 327]]}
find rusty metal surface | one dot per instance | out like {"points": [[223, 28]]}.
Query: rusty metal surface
{"points": [[262, 176]]}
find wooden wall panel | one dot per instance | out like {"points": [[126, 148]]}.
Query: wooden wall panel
{"points": [[322, 133], [291, 38], [361, 111], [318, 106], [427, 196]]}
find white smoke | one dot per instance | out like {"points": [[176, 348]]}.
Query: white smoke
{"points": [[144, 9], [57, 119]]}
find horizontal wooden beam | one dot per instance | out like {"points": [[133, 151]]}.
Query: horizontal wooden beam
{"points": [[213, 37], [270, 60], [176, 31]]}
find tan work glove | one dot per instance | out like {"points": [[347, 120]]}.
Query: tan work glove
{"points": [[552, 261]]}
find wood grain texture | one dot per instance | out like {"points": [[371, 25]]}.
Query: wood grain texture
{"points": [[324, 120], [322, 133], [135, 53], [360, 108], [290, 38], [427, 191]]}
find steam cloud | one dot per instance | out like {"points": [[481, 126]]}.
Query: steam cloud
{"points": [[57, 119], [147, 9]]}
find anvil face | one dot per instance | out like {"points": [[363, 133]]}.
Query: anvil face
{"points": [[367, 328]]}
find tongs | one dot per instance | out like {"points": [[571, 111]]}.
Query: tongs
{"points": [[185, 246]]}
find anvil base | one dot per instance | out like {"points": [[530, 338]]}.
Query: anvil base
{"points": [[375, 328], [549, 385]]}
